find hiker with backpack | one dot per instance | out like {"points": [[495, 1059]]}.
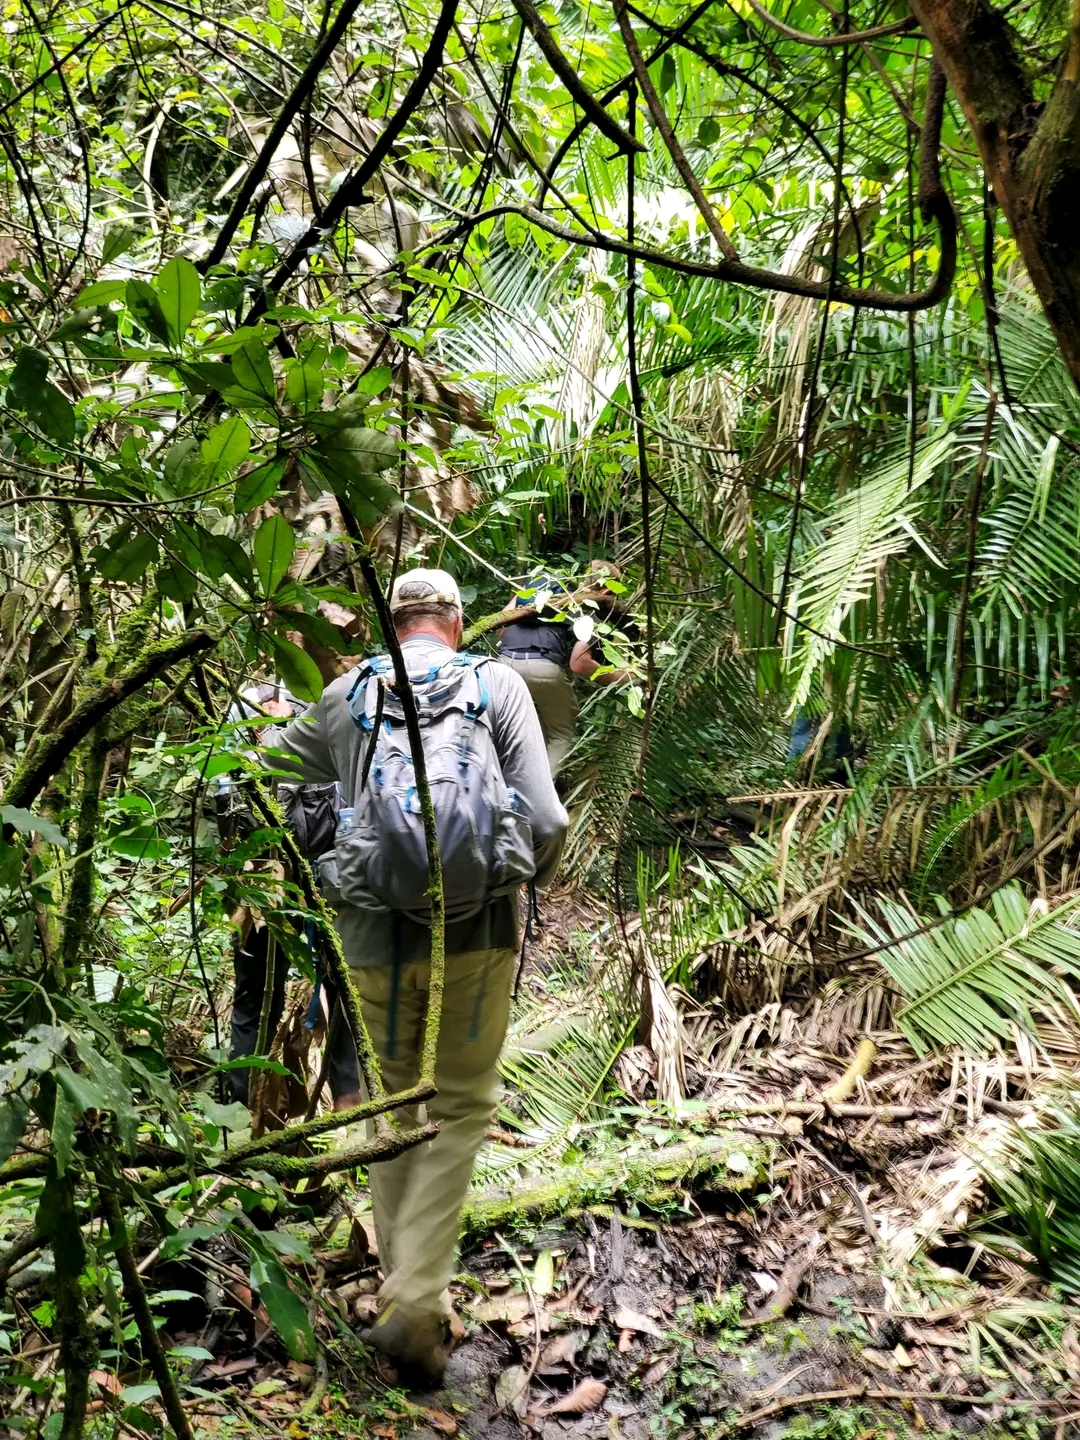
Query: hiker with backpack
{"points": [[554, 642], [500, 825]]}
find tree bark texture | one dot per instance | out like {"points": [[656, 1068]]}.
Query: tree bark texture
{"points": [[1031, 152]]}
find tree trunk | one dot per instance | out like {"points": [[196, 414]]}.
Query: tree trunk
{"points": [[1031, 153]]}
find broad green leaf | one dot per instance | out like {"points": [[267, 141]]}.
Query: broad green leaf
{"points": [[257, 486], [224, 449], [183, 1239], [191, 1352], [297, 669], [289, 1245], [272, 549], [236, 561], [318, 629], [83, 1092], [234, 1116], [373, 382], [128, 563], [708, 131], [118, 240], [29, 390], [180, 291], [354, 451], [176, 581], [29, 824], [304, 387], [253, 375], [204, 377], [141, 842], [136, 1394], [103, 292], [284, 1306], [14, 1111], [145, 305], [62, 1132]]}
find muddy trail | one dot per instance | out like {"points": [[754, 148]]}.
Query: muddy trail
{"points": [[801, 1244]]}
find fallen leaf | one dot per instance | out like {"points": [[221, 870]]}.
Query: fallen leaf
{"points": [[766, 1283], [268, 1387], [881, 1358], [457, 1329], [297, 1370], [626, 1319], [543, 1282], [512, 1390], [504, 1309], [297, 1431], [440, 1420], [588, 1394], [105, 1381], [626, 1339], [221, 1370], [562, 1350], [655, 1373], [903, 1359]]}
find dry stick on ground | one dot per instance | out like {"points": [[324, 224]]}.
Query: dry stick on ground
{"points": [[791, 1277], [537, 1325], [858, 1392]]}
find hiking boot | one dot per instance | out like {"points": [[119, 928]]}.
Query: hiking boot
{"points": [[415, 1342]]}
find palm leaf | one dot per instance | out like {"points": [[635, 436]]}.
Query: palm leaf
{"points": [[969, 979], [868, 527]]}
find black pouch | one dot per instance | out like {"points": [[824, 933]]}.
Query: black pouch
{"points": [[312, 813]]}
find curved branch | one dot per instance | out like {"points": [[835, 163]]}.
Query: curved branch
{"points": [[670, 139], [301, 92], [934, 207], [587, 102], [350, 191], [851, 37]]}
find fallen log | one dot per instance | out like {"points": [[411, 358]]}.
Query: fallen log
{"points": [[729, 1161]]}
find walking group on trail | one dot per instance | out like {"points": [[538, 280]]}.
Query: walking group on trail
{"points": [[495, 732]]}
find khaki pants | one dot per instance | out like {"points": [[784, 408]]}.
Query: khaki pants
{"points": [[417, 1198], [552, 693]]}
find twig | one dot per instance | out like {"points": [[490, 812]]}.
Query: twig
{"points": [[849, 1185], [537, 1328], [319, 1389]]}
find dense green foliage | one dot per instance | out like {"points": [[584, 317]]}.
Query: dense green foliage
{"points": [[438, 313]]}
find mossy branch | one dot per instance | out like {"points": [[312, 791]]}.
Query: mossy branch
{"points": [[46, 756]]}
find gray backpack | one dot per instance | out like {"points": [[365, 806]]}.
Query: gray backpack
{"points": [[485, 838]]}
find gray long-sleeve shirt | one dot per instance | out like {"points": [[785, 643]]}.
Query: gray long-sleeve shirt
{"points": [[325, 745]]}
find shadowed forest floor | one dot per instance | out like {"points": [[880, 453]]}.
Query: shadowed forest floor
{"points": [[820, 1279]]}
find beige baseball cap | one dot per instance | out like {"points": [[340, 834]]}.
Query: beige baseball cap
{"points": [[424, 587]]}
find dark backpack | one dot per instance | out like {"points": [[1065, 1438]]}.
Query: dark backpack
{"points": [[485, 838]]}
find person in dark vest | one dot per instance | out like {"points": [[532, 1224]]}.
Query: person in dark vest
{"points": [[257, 960], [547, 649]]}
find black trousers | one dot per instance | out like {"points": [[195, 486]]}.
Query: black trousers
{"points": [[251, 962]]}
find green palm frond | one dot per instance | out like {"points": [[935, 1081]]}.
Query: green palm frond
{"points": [[967, 980], [1037, 1179], [868, 527]]}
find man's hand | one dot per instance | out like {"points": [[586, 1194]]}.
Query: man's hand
{"points": [[277, 709]]}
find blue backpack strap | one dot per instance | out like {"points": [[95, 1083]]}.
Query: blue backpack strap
{"points": [[369, 670]]}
